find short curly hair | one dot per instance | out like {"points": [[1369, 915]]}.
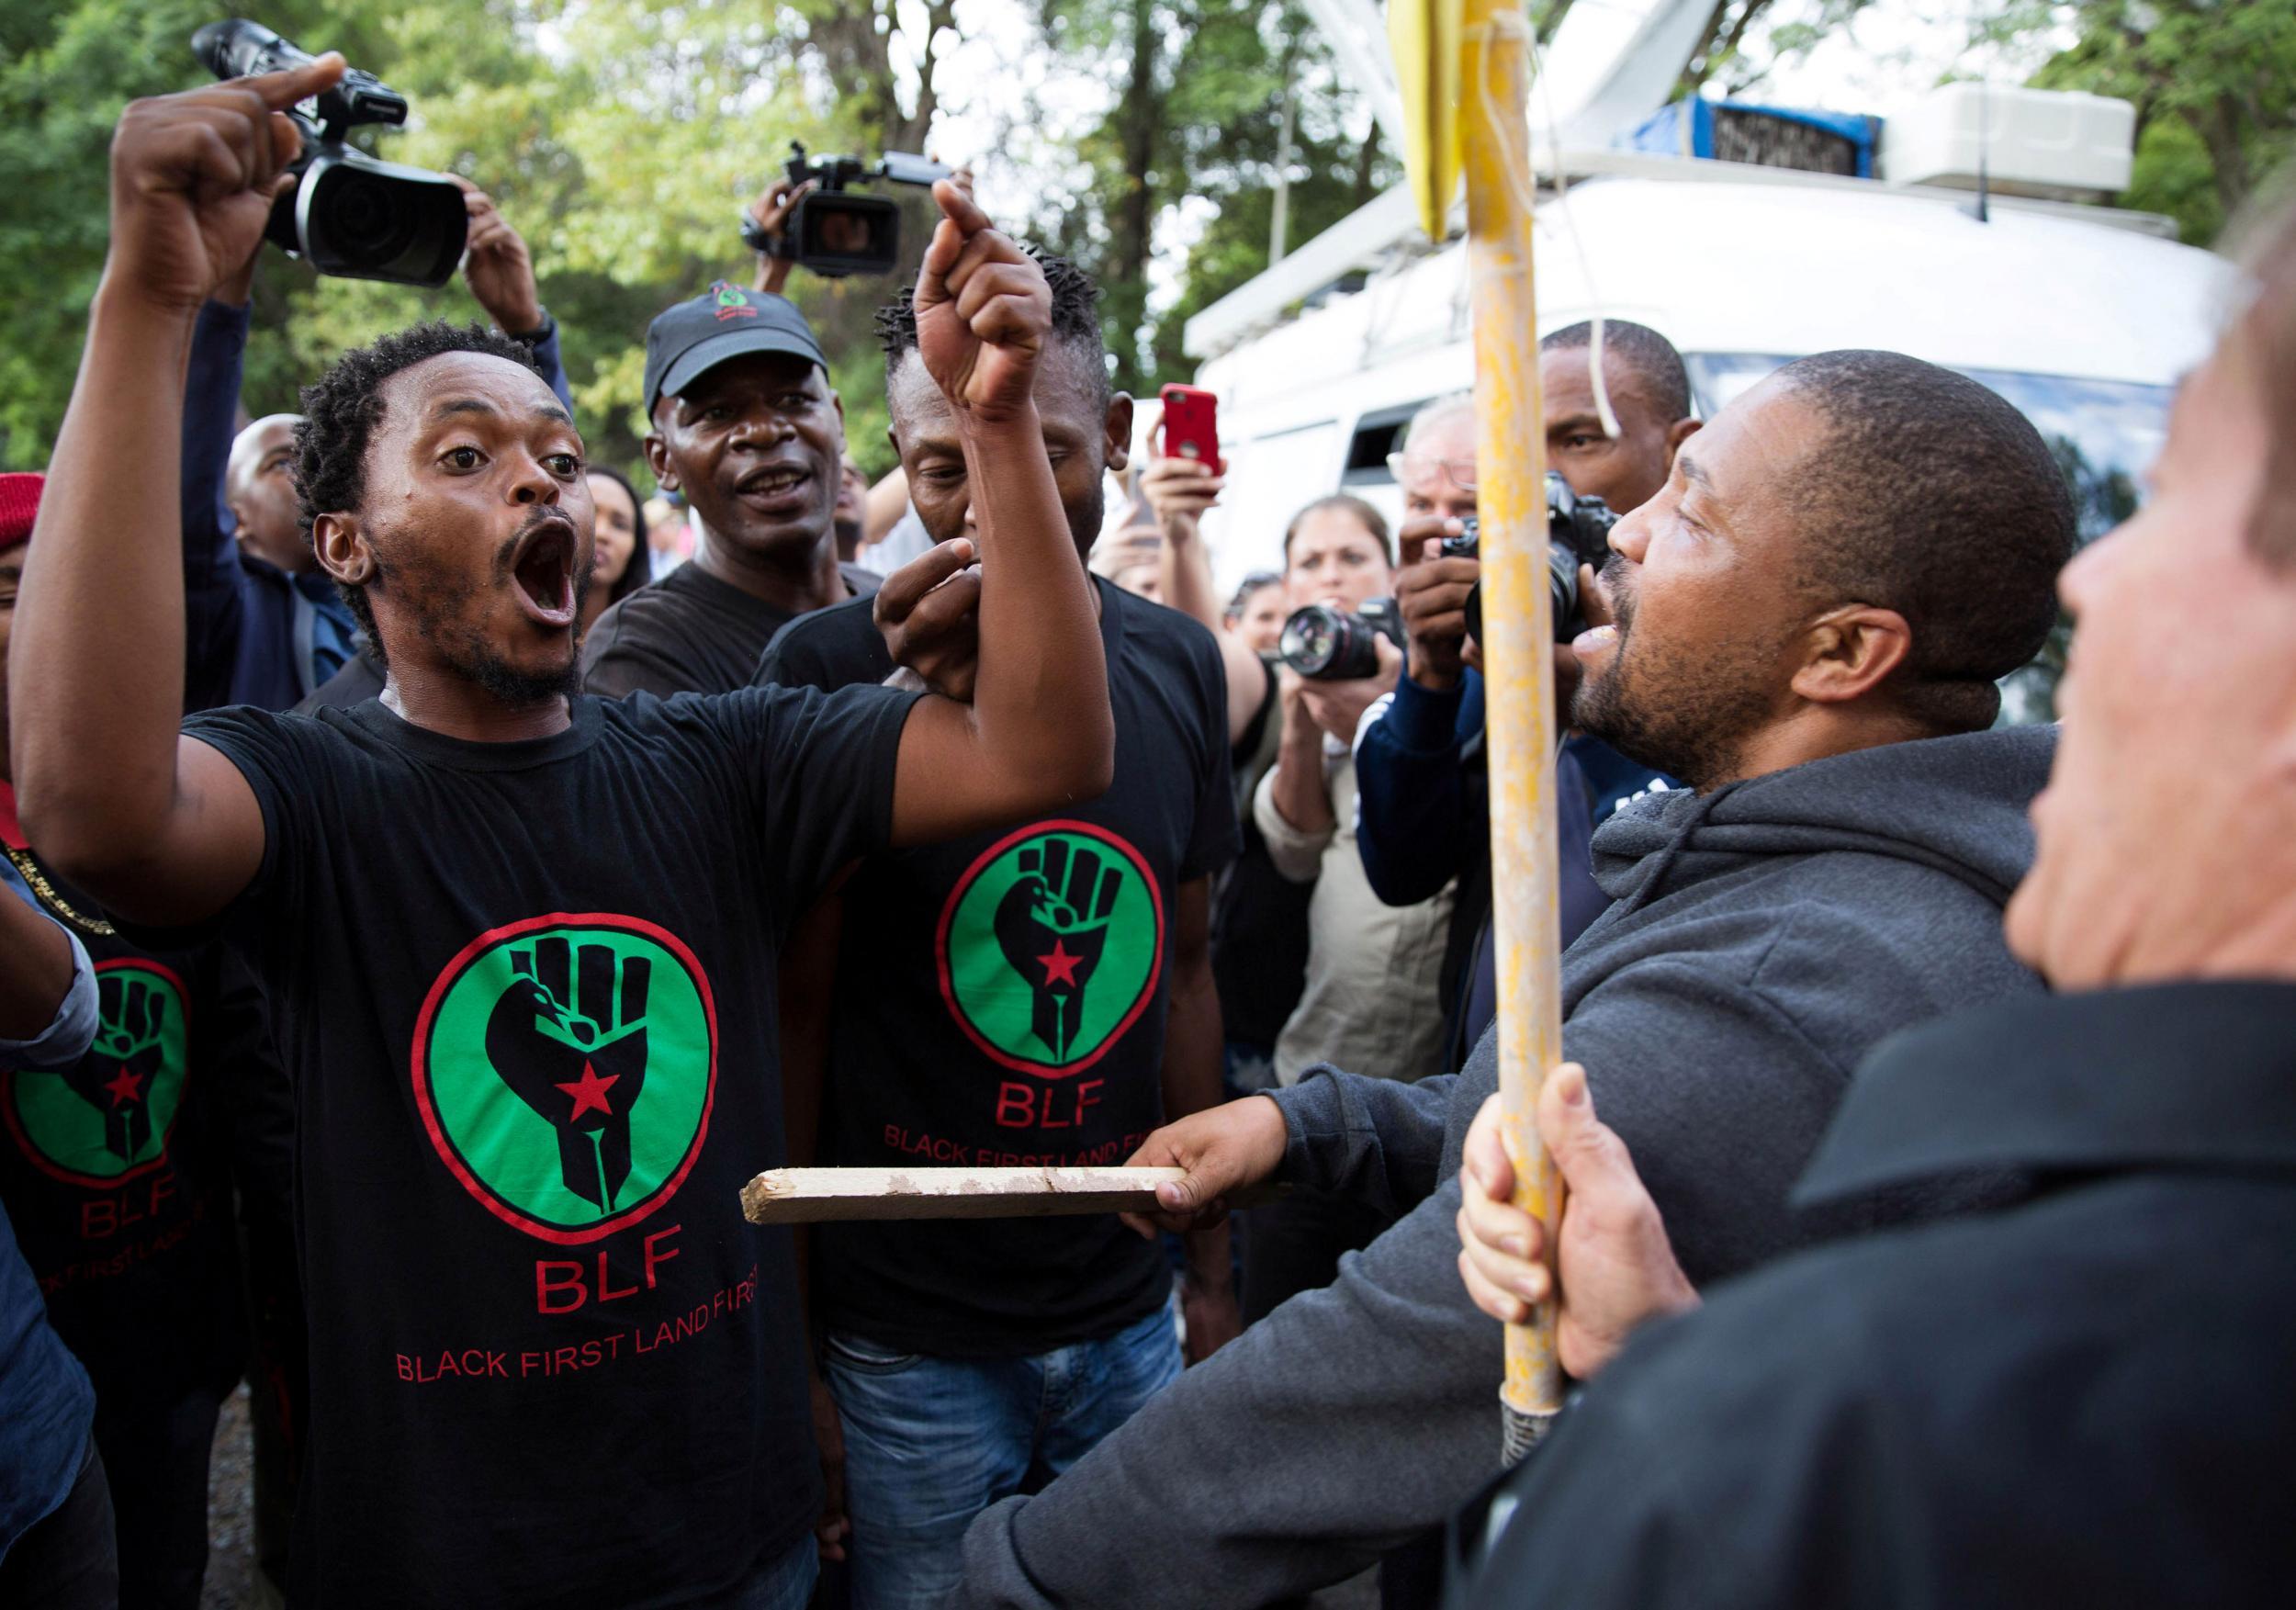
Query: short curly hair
{"points": [[340, 412], [1076, 318]]}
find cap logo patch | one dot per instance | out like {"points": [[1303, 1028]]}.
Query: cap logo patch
{"points": [[733, 302]]}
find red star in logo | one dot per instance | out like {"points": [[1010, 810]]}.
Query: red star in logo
{"points": [[126, 1087], [590, 1091], [1060, 967]]}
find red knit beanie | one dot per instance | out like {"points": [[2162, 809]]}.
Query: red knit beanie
{"points": [[19, 500]]}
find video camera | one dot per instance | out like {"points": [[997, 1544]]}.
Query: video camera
{"points": [[1577, 533], [833, 233], [349, 215]]}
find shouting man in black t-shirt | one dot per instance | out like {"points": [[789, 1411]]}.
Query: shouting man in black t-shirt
{"points": [[550, 1362], [1039, 996], [742, 419]]}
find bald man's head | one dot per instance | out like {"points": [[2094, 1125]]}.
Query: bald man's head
{"points": [[259, 487]]}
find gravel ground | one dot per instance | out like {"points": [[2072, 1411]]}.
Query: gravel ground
{"points": [[230, 1512]]}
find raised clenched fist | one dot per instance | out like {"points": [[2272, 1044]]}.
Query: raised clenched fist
{"points": [[193, 179], [984, 312], [569, 1036], [1052, 926]]}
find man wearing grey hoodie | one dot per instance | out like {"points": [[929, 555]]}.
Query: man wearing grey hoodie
{"points": [[1810, 620]]}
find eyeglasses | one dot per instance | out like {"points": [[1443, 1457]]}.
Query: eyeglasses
{"points": [[1459, 472]]}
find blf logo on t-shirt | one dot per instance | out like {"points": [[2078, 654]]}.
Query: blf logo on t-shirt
{"points": [[565, 1066], [107, 1116], [1050, 946]]}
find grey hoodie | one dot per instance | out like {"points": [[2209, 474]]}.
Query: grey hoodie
{"points": [[1762, 938]]}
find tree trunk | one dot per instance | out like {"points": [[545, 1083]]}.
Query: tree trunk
{"points": [[1366, 166], [2219, 125], [1131, 228]]}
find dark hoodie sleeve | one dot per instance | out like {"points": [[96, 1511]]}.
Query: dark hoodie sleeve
{"points": [[1378, 1140], [212, 579], [1344, 1423]]}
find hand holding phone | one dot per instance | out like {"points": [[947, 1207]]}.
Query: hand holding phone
{"points": [[1192, 426]]}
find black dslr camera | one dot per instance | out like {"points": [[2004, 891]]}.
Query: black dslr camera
{"points": [[833, 233], [1577, 533], [1326, 644], [349, 214]]}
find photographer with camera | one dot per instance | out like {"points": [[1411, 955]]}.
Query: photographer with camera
{"points": [[1422, 773], [1370, 996], [550, 1360], [265, 626], [1810, 621]]}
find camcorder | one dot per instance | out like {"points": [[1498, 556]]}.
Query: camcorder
{"points": [[1327, 644], [349, 214], [1577, 533], [833, 233]]}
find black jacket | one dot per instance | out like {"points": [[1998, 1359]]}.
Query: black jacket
{"points": [[2083, 1399]]}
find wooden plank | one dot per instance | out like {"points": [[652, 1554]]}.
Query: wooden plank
{"points": [[812, 1196]]}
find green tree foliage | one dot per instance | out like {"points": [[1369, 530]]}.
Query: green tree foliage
{"points": [[1194, 125], [2215, 87], [619, 137]]}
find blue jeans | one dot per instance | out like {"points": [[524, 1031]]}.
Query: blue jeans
{"points": [[929, 1443]]}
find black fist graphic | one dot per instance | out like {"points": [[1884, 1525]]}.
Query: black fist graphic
{"points": [[1052, 926], [569, 1036], [117, 1075]]}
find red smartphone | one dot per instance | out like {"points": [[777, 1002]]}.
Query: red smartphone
{"points": [[1191, 425]]}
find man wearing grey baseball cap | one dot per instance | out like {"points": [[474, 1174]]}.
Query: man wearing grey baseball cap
{"points": [[741, 420]]}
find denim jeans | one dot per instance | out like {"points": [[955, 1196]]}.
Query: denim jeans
{"points": [[929, 1443], [68, 1560]]}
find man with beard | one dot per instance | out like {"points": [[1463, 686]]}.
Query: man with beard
{"points": [[550, 1363], [1043, 995], [742, 420], [1812, 616], [265, 624], [2082, 1398]]}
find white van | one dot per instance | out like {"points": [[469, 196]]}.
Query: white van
{"points": [[2083, 316], [2080, 319]]}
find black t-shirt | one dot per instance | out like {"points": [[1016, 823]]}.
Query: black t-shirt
{"points": [[115, 1171], [1000, 1000], [688, 633], [360, 678], [525, 993]]}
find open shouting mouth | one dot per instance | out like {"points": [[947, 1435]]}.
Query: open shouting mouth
{"points": [[541, 567]]}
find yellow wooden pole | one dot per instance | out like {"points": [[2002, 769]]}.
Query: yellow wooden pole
{"points": [[1517, 644]]}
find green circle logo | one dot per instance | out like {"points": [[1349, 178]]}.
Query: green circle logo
{"points": [[1051, 945], [107, 1116], [565, 1066]]}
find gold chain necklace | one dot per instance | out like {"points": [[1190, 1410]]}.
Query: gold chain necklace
{"points": [[24, 863]]}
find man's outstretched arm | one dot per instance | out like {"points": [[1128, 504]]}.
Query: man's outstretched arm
{"points": [[160, 828], [1039, 733], [1339, 1426]]}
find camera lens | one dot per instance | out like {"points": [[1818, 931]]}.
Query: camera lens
{"points": [[1310, 639], [363, 221], [361, 218]]}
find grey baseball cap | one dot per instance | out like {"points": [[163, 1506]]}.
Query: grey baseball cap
{"points": [[725, 321]]}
